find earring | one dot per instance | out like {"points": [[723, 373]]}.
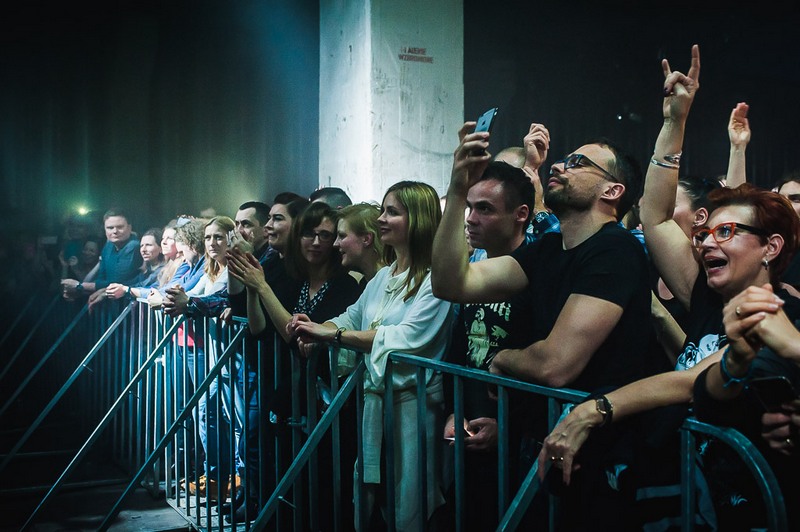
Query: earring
{"points": [[765, 263]]}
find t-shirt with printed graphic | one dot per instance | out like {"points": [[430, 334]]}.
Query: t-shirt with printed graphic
{"points": [[481, 330], [705, 334]]}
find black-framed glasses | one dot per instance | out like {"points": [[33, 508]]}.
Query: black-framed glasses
{"points": [[723, 232], [324, 236], [578, 160]]}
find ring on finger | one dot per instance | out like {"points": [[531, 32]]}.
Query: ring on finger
{"points": [[738, 312], [789, 442]]}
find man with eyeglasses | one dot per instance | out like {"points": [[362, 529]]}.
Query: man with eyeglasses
{"points": [[589, 289]]}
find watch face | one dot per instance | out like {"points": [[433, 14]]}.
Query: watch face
{"points": [[601, 406]]}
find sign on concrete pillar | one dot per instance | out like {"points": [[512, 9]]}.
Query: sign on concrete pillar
{"points": [[391, 93]]}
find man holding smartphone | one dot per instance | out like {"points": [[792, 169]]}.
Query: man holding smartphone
{"points": [[500, 206], [590, 320]]}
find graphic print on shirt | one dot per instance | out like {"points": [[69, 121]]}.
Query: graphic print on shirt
{"points": [[487, 326], [692, 354]]}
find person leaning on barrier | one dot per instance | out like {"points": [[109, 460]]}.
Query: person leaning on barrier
{"points": [[119, 260], [763, 342], [152, 264], [260, 475], [396, 313], [189, 242], [500, 206], [590, 316], [208, 295], [325, 291], [746, 229], [201, 301]]}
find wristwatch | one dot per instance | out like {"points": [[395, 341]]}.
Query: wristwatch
{"points": [[605, 408], [79, 287]]}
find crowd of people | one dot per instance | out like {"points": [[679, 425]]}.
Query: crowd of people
{"points": [[660, 295]]}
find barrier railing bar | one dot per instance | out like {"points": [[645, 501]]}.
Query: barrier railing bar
{"points": [[503, 480], [459, 477], [176, 425], [388, 437], [295, 469], [336, 452], [66, 385], [123, 396], [759, 468], [422, 444]]}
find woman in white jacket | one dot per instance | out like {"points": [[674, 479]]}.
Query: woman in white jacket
{"points": [[397, 313]]}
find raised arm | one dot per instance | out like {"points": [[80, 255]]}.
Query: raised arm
{"points": [[739, 135], [246, 268], [537, 144], [453, 277], [670, 248]]}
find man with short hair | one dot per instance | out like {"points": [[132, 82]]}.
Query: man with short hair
{"points": [[333, 196], [590, 319], [499, 207], [119, 260], [251, 220]]}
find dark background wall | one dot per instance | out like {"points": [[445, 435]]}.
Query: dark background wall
{"points": [[594, 68], [172, 107], [161, 107]]}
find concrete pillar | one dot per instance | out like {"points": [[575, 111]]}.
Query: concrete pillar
{"points": [[391, 93]]}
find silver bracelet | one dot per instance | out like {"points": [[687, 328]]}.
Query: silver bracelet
{"points": [[671, 166]]}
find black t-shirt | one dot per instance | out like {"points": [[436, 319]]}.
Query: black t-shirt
{"points": [[610, 265], [481, 330]]}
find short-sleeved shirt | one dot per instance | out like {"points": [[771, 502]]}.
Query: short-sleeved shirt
{"points": [[610, 265]]}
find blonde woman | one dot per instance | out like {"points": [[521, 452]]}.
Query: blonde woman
{"points": [[397, 313]]}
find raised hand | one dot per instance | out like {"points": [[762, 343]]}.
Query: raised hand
{"points": [[468, 160], [245, 268], [739, 126], [679, 88], [537, 144]]}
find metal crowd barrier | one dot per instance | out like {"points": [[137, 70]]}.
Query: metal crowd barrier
{"points": [[513, 512], [139, 392]]}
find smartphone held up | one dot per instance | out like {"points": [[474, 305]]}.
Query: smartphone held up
{"points": [[484, 123]]}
